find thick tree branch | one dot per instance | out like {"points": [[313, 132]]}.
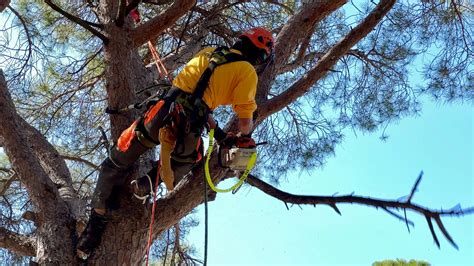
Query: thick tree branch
{"points": [[387, 205], [154, 27], [85, 24], [19, 244], [55, 167], [43, 192], [298, 27], [300, 87]]}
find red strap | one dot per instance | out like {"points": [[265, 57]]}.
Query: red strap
{"points": [[159, 64], [150, 230], [135, 15]]}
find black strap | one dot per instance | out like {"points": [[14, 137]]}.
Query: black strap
{"points": [[220, 56]]}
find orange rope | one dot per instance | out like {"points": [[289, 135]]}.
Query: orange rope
{"points": [[150, 230], [163, 73], [159, 64]]}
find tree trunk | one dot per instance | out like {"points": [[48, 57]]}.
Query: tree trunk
{"points": [[125, 237]]}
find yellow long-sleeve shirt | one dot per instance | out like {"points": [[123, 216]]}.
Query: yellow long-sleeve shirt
{"points": [[233, 83]]}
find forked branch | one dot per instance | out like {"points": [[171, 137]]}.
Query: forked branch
{"points": [[390, 206]]}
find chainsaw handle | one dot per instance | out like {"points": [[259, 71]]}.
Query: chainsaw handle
{"points": [[219, 158]]}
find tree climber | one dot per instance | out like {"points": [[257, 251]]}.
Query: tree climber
{"points": [[177, 122]]}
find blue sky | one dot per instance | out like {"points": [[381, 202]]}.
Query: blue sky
{"points": [[251, 228]]}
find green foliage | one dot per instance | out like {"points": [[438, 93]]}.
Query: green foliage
{"points": [[401, 262]]}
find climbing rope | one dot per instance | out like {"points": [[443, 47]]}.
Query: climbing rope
{"points": [[205, 223], [208, 180], [150, 230]]}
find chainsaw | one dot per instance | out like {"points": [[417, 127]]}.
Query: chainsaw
{"points": [[239, 160], [235, 158]]}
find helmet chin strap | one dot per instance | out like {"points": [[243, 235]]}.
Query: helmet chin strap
{"points": [[263, 66]]}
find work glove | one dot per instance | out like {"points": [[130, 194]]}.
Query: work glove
{"points": [[245, 141], [219, 134], [225, 140]]}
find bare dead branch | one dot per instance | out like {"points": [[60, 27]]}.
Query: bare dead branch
{"points": [[79, 159], [445, 232], [28, 37], [387, 205], [336, 209], [406, 219], [433, 233], [158, 24], [85, 24], [19, 244], [415, 187], [398, 216]]}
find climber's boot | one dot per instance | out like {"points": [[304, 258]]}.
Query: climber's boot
{"points": [[91, 236]]}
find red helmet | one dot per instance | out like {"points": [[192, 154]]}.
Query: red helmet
{"points": [[261, 38]]}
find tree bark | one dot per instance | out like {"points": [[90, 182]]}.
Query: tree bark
{"points": [[53, 215], [55, 167], [19, 244]]}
